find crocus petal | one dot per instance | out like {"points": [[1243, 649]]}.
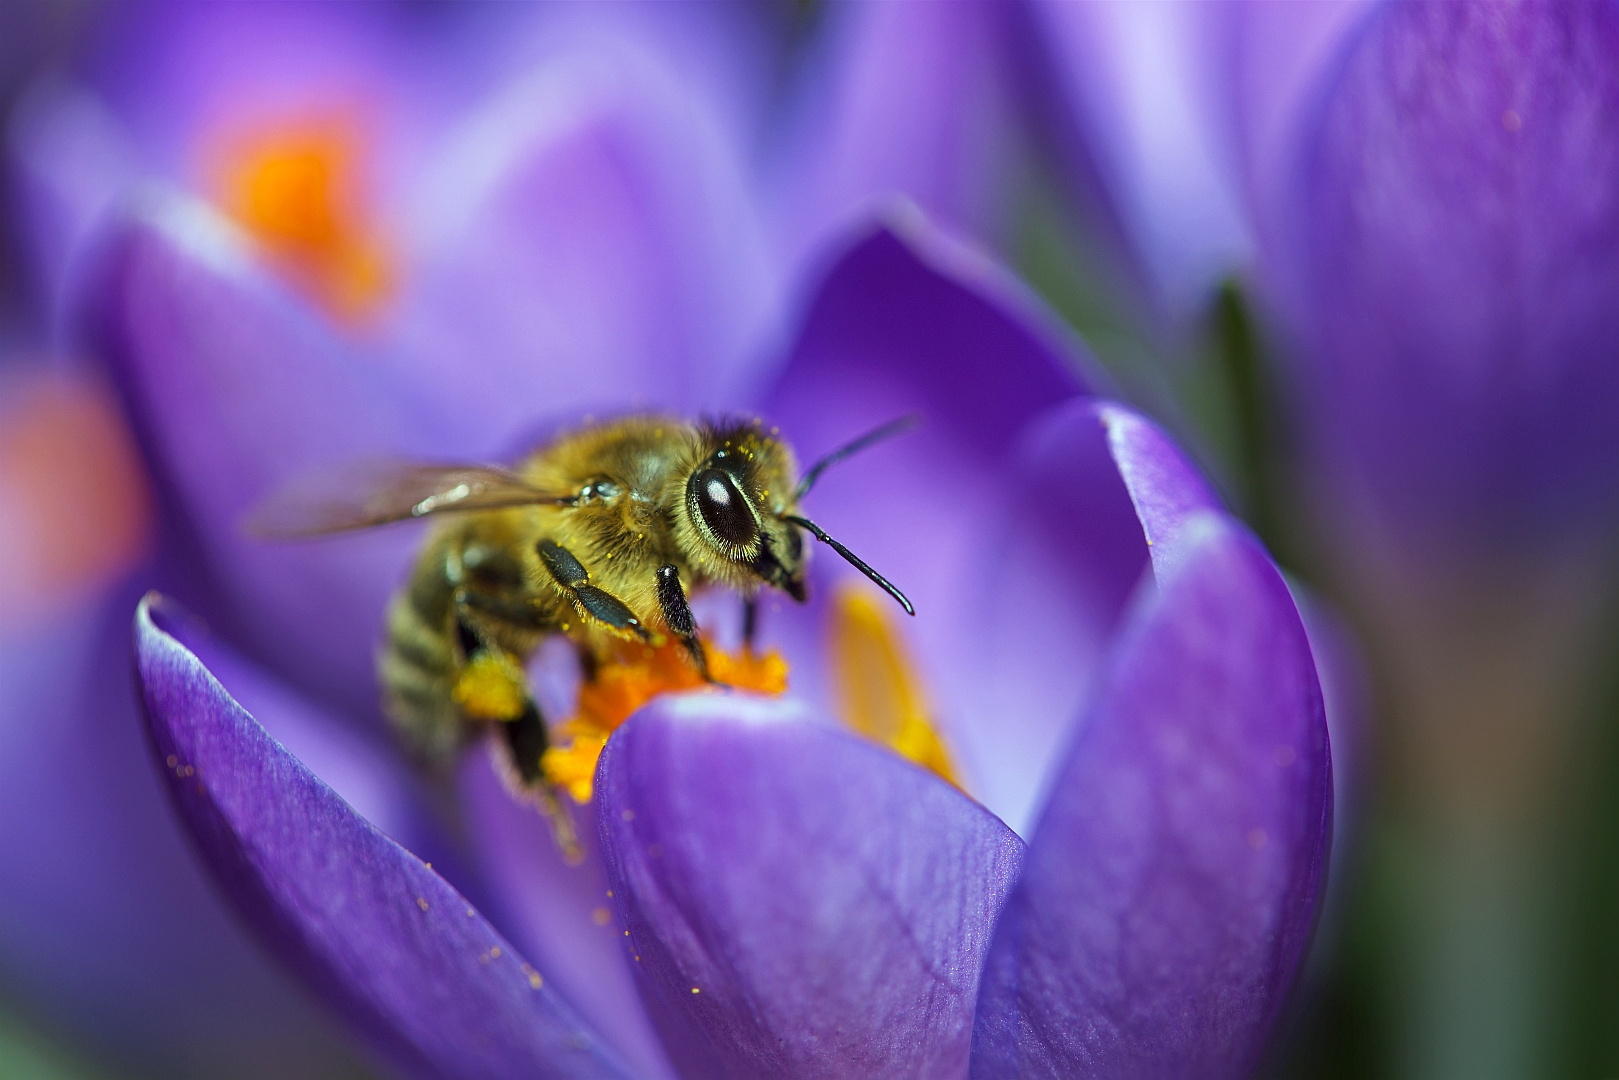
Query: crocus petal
{"points": [[1062, 552], [1091, 490], [1173, 879], [558, 914], [1134, 111], [105, 912], [898, 99], [799, 902], [182, 77], [238, 389], [909, 321], [1276, 58], [1167, 490], [382, 939], [590, 246], [363, 774], [1457, 222]]}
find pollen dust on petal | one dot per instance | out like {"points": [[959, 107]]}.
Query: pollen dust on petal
{"points": [[878, 692], [297, 187], [628, 680]]}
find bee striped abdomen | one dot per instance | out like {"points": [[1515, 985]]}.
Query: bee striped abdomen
{"points": [[420, 662]]}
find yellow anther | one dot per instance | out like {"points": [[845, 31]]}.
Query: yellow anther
{"points": [[878, 693], [634, 676]]}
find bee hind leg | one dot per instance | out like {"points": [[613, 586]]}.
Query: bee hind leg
{"points": [[492, 688], [526, 739]]}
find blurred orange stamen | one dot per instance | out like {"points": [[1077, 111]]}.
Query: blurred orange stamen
{"points": [[77, 510], [297, 187]]}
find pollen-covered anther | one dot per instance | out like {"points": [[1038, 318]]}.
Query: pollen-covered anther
{"points": [[297, 187], [878, 691], [633, 677]]}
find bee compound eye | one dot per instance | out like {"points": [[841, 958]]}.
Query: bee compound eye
{"points": [[724, 510]]}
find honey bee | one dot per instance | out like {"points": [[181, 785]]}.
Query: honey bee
{"points": [[597, 536]]}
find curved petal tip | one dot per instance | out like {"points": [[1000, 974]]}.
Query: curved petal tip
{"points": [[797, 902], [367, 926]]}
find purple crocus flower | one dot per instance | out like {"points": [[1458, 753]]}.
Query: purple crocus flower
{"points": [[779, 896]]}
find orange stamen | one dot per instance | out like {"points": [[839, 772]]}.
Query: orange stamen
{"points": [[627, 681], [878, 692], [296, 187]]}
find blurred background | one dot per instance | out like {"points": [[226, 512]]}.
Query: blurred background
{"points": [[1361, 258]]}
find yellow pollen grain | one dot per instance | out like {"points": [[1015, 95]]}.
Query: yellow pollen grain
{"points": [[495, 952], [490, 688], [600, 916], [695, 990], [877, 690], [173, 761], [421, 902], [633, 676], [535, 981]]}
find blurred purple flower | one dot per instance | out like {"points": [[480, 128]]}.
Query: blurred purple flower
{"points": [[1445, 243], [585, 239], [1434, 189], [1435, 259]]}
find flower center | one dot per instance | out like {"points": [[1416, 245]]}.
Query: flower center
{"points": [[877, 689], [297, 188], [625, 682], [878, 692]]}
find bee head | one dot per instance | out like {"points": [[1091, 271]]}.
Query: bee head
{"points": [[743, 508], [734, 502]]}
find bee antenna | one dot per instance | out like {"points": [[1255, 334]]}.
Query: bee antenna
{"points": [[893, 427], [854, 560]]}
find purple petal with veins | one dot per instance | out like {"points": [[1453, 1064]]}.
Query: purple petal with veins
{"points": [[797, 901], [372, 930]]}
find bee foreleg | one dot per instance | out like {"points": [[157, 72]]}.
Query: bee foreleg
{"points": [[677, 614], [598, 604]]}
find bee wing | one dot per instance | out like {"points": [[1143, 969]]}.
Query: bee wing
{"points": [[376, 493]]}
